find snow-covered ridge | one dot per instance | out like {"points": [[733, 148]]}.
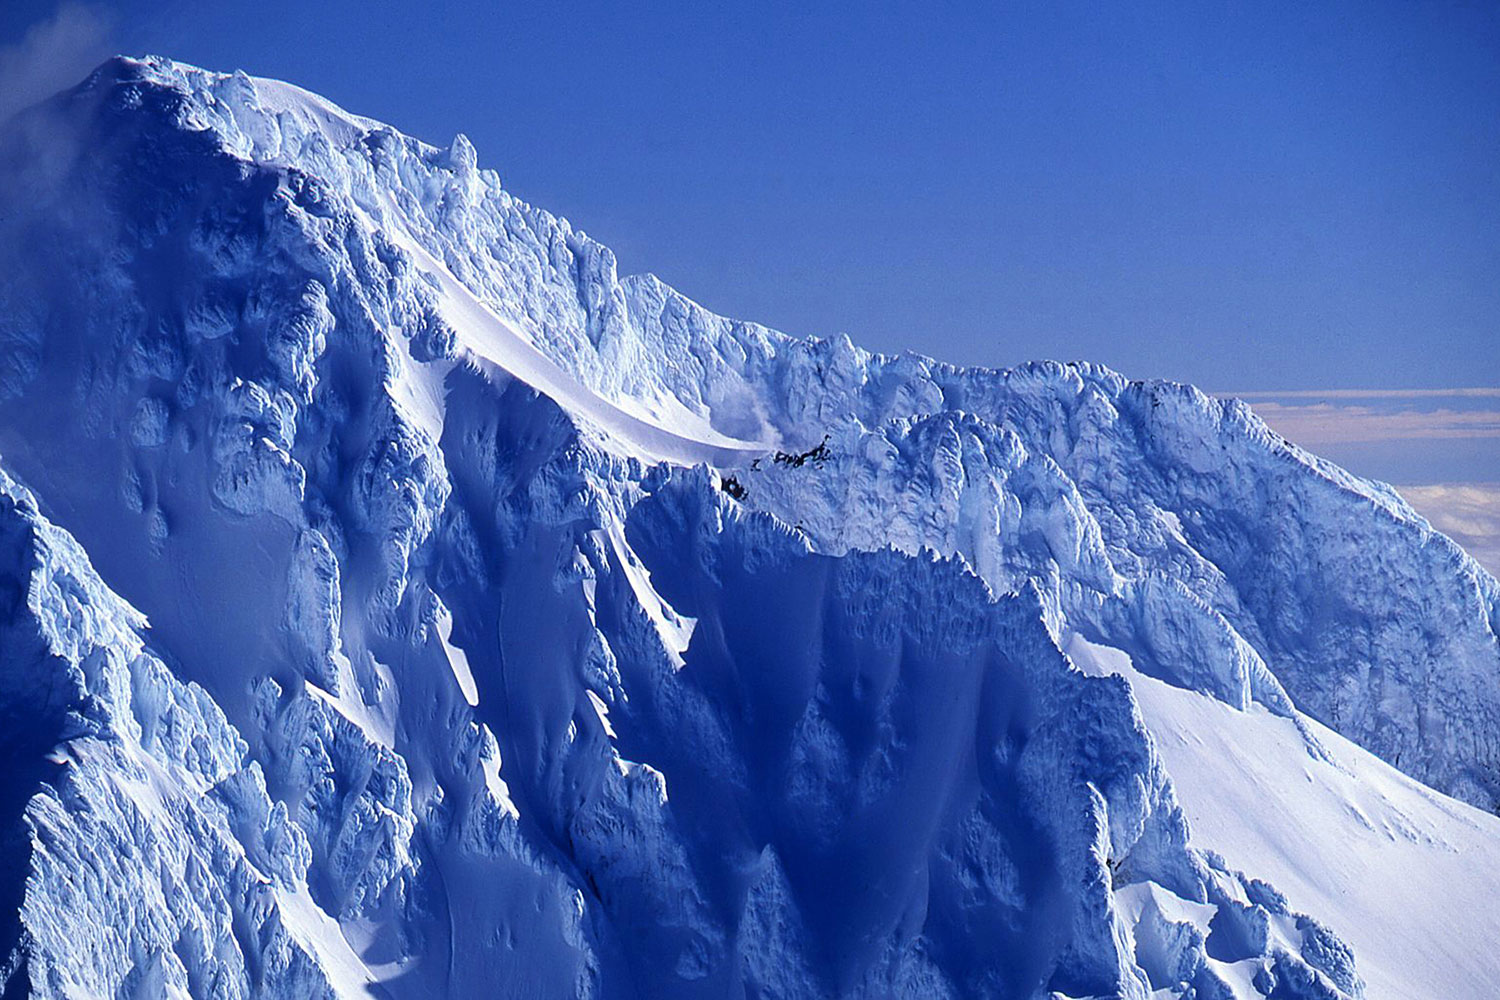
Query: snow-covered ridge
{"points": [[592, 644], [149, 827], [671, 375]]}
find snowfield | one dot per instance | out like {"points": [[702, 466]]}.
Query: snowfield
{"points": [[1337, 828], [398, 602]]}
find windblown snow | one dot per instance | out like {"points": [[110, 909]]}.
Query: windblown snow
{"points": [[397, 602]]}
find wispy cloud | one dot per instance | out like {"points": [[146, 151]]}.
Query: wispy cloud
{"points": [[1422, 436], [1317, 418], [1464, 393], [1317, 424], [53, 54]]}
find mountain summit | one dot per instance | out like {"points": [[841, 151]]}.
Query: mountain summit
{"points": [[398, 602]]}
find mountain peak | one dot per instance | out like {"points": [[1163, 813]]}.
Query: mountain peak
{"points": [[520, 627]]}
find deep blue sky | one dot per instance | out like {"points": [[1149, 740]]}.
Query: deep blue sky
{"points": [[1271, 195]]}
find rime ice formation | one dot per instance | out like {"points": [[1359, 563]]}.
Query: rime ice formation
{"points": [[401, 603]]}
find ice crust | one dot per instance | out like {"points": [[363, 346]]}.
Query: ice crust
{"points": [[468, 672]]}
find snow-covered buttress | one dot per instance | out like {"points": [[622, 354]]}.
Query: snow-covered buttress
{"points": [[401, 603]]}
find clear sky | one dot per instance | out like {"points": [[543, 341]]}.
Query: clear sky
{"points": [[1250, 196]]}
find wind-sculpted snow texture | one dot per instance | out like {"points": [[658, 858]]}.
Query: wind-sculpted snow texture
{"points": [[517, 629]]}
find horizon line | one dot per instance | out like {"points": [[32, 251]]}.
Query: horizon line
{"points": [[1467, 391]]}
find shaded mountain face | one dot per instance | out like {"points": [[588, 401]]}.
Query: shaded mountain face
{"points": [[395, 601]]}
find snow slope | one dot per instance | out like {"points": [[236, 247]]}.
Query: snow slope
{"points": [[1336, 829], [675, 435], [541, 633]]}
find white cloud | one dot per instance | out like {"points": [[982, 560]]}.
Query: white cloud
{"points": [[54, 54], [1408, 435], [1468, 513], [1464, 393], [1317, 424]]}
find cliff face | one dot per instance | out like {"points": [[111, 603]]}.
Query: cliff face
{"points": [[519, 628]]}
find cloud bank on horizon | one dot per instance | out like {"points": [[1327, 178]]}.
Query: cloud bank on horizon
{"points": [[1440, 447], [1459, 426], [1468, 513], [1333, 418]]}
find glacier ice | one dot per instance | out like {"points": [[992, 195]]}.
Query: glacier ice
{"points": [[378, 621]]}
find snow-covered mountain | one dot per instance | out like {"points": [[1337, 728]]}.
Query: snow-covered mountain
{"points": [[398, 602]]}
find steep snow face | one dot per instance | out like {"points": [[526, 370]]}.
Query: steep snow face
{"points": [[148, 857], [1149, 509], [543, 633], [807, 812]]}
